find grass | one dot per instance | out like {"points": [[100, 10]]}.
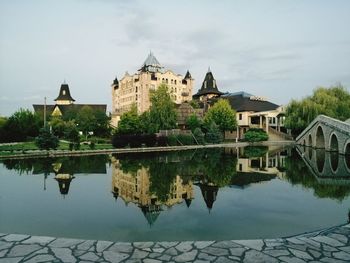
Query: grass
{"points": [[27, 146]]}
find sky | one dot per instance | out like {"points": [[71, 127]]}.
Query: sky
{"points": [[272, 48]]}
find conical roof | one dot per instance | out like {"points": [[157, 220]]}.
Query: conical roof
{"points": [[209, 193], [188, 75], [208, 86], [151, 64], [151, 213], [64, 93]]}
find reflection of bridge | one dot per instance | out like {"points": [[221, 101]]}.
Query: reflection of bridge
{"points": [[327, 133], [327, 167]]}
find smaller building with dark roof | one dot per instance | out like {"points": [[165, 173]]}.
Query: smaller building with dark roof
{"points": [[65, 103]]}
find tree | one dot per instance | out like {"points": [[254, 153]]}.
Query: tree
{"points": [[213, 134], [46, 140], [199, 135], [58, 126], [256, 135], [333, 102], [130, 122], [223, 116], [193, 122], [102, 127], [86, 120], [162, 113], [71, 132], [20, 126]]}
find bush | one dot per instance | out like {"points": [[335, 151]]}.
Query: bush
{"points": [[199, 135], [255, 135], [213, 134], [185, 139], [133, 140], [172, 140], [46, 140], [255, 151]]}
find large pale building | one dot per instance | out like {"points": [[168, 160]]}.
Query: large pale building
{"points": [[135, 89]]}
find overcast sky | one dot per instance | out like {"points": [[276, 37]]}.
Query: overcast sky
{"points": [[278, 49]]}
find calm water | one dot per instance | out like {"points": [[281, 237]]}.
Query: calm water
{"points": [[211, 194]]}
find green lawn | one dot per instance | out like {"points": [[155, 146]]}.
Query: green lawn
{"points": [[25, 146]]}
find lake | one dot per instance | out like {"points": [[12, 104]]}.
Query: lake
{"points": [[206, 194]]}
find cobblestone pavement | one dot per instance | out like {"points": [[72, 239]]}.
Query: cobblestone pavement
{"points": [[330, 245]]}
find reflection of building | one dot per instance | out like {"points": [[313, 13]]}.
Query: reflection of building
{"points": [[209, 193], [63, 178], [135, 188], [135, 89], [268, 162], [65, 104]]}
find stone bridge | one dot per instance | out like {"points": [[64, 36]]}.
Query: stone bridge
{"points": [[328, 167], [327, 133]]}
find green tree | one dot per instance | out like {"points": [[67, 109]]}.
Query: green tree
{"points": [[256, 135], [71, 132], [193, 122], [199, 135], [21, 125], [130, 122], [213, 134], [86, 120], [333, 102], [46, 140], [223, 115], [58, 126], [102, 127], [162, 113]]}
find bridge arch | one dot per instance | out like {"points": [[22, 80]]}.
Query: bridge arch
{"points": [[309, 140], [320, 160], [334, 161], [334, 143], [347, 154], [320, 138]]}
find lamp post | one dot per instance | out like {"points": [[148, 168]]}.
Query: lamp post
{"points": [[44, 112]]}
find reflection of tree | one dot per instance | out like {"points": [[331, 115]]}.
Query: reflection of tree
{"points": [[255, 151], [298, 173]]}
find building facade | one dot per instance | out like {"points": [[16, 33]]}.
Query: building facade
{"points": [[135, 89]]}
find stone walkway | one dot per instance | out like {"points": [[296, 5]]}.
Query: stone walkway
{"points": [[330, 245]]}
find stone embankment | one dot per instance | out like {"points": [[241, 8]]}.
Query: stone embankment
{"points": [[59, 153], [329, 245]]}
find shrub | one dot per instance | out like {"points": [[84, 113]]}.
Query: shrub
{"points": [[256, 135], [185, 139], [46, 140], [133, 140], [172, 140], [213, 134], [162, 141], [255, 151], [199, 135]]}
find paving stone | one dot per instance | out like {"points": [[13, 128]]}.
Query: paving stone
{"points": [[237, 259], [38, 240], [184, 246], [339, 237], [311, 242], [201, 261], [205, 256], [329, 248], [329, 241], [65, 242], [154, 255], [64, 254], [202, 244], [40, 258], [225, 244], [291, 259], [133, 261], [14, 237], [102, 245], [11, 260], [148, 260], [4, 245], [216, 251], [341, 255], [23, 250], [301, 254], [3, 252], [314, 253], [139, 254], [78, 253], [271, 244], [89, 256], [168, 244], [295, 241], [187, 256], [332, 260], [237, 251], [165, 258], [1, 234], [223, 260], [277, 252], [257, 256], [171, 251], [121, 247], [158, 250], [86, 245], [346, 249], [142, 245], [114, 257], [254, 244], [298, 247]]}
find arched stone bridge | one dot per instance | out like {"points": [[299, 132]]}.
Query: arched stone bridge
{"points": [[327, 133], [327, 167]]}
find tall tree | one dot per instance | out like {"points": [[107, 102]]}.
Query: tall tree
{"points": [[162, 113], [333, 102], [223, 115], [130, 122]]}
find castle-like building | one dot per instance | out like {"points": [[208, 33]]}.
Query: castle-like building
{"points": [[135, 89]]}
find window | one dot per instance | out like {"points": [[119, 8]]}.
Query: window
{"points": [[64, 92], [240, 116]]}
